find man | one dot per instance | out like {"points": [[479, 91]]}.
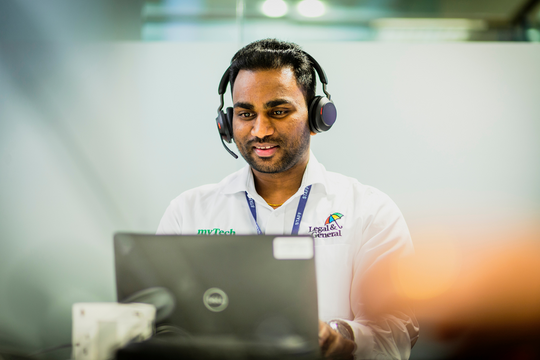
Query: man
{"points": [[355, 226]]}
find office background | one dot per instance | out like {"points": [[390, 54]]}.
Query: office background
{"points": [[102, 124]]}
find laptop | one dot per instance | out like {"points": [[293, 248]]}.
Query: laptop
{"points": [[239, 294]]}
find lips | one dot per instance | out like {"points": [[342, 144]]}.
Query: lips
{"points": [[265, 150]]}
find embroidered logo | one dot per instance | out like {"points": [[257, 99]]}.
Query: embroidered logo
{"points": [[331, 227], [215, 231]]}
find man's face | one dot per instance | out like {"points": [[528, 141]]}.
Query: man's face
{"points": [[270, 123]]}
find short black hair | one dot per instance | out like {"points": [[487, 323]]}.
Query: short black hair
{"points": [[270, 54]]}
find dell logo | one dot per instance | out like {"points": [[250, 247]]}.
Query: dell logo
{"points": [[215, 299]]}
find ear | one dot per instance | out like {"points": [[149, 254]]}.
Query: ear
{"points": [[310, 132]]}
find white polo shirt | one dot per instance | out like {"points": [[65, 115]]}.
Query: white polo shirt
{"points": [[354, 226]]}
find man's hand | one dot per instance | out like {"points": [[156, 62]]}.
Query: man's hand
{"points": [[333, 345]]}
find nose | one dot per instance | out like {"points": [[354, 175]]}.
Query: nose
{"points": [[262, 126]]}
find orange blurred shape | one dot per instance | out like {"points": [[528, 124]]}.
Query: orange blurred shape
{"points": [[503, 287], [432, 270], [488, 279], [473, 282]]}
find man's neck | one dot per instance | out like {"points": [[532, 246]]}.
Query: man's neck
{"points": [[277, 188]]}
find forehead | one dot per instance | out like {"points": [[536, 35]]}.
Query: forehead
{"points": [[263, 85]]}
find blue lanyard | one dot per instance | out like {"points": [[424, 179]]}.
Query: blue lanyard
{"points": [[297, 218]]}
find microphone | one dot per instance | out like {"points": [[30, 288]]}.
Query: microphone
{"points": [[226, 148]]}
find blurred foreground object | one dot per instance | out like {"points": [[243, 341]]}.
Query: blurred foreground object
{"points": [[99, 329], [478, 290]]}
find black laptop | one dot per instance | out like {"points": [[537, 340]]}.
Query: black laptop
{"points": [[239, 296]]}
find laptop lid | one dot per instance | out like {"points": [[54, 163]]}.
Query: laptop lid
{"points": [[258, 288]]}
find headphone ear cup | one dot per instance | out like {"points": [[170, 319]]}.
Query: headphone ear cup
{"points": [[322, 114], [223, 126], [229, 121], [311, 114]]}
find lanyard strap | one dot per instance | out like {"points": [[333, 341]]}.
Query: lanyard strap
{"points": [[253, 209], [297, 218]]}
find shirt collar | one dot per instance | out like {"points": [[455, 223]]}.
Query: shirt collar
{"points": [[315, 175], [242, 180]]}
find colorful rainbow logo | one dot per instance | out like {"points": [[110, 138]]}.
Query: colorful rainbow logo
{"points": [[333, 218]]}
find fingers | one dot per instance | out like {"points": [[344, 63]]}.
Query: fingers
{"points": [[341, 348], [324, 334], [333, 345]]}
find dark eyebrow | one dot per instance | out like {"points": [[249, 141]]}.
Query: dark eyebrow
{"points": [[244, 105], [274, 103], [268, 105]]}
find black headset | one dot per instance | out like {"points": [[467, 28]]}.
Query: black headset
{"points": [[322, 112]]}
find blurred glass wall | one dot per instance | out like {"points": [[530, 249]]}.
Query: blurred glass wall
{"points": [[100, 128]]}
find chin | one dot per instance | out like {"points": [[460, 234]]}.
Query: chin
{"points": [[270, 165], [267, 168]]}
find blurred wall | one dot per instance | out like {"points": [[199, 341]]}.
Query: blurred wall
{"points": [[98, 138]]}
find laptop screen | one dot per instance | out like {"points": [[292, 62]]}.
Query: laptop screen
{"points": [[257, 288]]}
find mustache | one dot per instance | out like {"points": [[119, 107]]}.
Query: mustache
{"points": [[266, 139]]}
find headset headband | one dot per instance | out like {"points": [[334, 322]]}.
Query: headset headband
{"points": [[222, 88]]}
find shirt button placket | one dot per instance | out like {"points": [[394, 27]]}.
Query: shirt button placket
{"points": [[275, 222]]}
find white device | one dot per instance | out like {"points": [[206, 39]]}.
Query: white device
{"points": [[99, 329]]}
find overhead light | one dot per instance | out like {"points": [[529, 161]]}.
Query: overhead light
{"points": [[274, 8], [311, 8]]}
